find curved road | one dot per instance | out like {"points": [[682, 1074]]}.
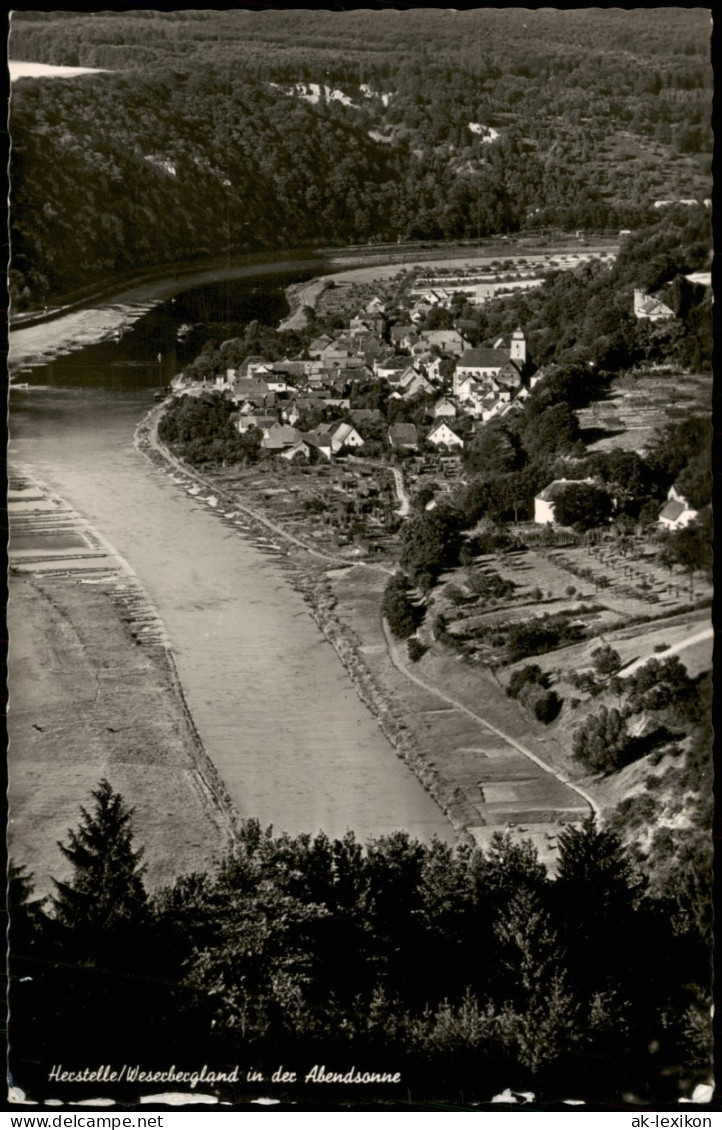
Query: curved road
{"points": [[395, 657]]}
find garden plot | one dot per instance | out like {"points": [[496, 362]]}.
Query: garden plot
{"points": [[639, 405]]}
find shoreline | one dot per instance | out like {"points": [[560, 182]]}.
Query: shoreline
{"points": [[313, 585], [98, 695], [400, 701]]}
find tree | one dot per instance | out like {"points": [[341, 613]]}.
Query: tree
{"points": [[598, 896], [583, 506], [606, 660], [402, 614], [692, 546], [602, 742], [430, 543], [540, 1014], [107, 889]]}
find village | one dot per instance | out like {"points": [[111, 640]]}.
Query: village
{"points": [[362, 448], [373, 417]]}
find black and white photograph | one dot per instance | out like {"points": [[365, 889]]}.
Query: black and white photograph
{"points": [[359, 493]]}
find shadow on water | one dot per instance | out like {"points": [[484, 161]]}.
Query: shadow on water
{"points": [[149, 353]]}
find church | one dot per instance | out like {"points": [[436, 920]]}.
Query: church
{"points": [[497, 368]]}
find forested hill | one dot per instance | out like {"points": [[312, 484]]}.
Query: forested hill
{"points": [[230, 131]]}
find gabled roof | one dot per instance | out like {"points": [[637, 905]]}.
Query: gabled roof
{"points": [[403, 434], [673, 510], [257, 392], [445, 403], [313, 439], [397, 333], [483, 358], [438, 426], [557, 487], [242, 370], [281, 435], [319, 343]]}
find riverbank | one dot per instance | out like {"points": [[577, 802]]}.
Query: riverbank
{"points": [[486, 767], [95, 693], [311, 571]]}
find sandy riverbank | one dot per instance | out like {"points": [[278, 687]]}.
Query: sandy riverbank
{"points": [[94, 693]]}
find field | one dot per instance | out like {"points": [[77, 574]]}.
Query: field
{"points": [[638, 404], [344, 509]]}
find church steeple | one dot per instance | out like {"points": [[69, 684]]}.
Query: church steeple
{"points": [[518, 347]]}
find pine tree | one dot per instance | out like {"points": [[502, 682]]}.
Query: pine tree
{"points": [[106, 891]]}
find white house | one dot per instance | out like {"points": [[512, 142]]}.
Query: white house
{"points": [[545, 501], [650, 308], [441, 435], [413, 382], [444, 408], [677, 512], [345, 435], [300, 450]]}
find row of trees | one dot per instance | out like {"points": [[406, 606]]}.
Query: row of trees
{"points": [[464, 970]]}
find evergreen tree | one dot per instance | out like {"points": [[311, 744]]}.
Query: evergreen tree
{"points": [[106, 891]]}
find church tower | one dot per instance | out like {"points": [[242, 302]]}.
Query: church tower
{"points": [[518, 347]]}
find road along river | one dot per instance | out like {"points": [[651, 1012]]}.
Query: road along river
{"points": [[275, 708]]}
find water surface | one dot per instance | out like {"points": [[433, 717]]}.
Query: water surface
{"points": [[273, 704]]}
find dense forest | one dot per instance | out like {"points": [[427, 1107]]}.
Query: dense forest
{"points": [[201, 138], [463, 971]]}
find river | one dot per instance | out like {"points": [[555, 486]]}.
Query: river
{"points": [[275, 708]]}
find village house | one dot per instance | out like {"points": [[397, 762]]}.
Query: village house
{"points": [[447, 341], [412, 383], [251, 364], [320, 444], [338, 352], [444, 408], [677, 512], [441, 435], [244, 423], [375, 306], [300, 452], [279, 436], [248, 390], [403, 337], [419, 310], [545, 501], [317, 346], [467, 390], [652, 309], [391, 368], [344, 435], [360, 372], [403, 437]]}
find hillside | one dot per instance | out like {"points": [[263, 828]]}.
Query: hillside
{"points": [[229, 131]]}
